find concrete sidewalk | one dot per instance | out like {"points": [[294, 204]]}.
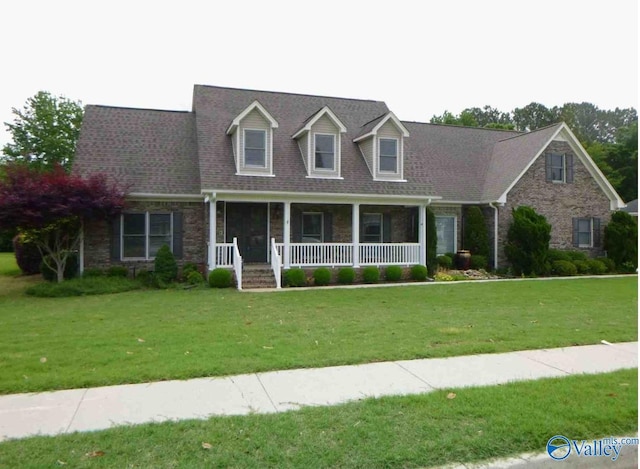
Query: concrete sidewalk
{"points": [[57, 412]]}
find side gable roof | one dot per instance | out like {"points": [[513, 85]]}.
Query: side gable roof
{"points": [[147, 151]]}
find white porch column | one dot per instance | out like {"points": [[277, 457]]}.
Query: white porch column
{"points": [[355, 234], [286, 235], [422, 233], [81, 250], [212, 233]]}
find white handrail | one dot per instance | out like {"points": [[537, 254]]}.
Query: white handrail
{"points": [[339, 254], [237, 263], [276, 263]]}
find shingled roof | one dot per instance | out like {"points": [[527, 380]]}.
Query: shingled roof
{"points": [[169, 152]]}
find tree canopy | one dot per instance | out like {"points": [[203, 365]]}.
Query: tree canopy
{"points": [[44, 132], [49, 208]]}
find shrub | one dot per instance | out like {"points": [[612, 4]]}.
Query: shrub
{"points": [[432, 242], [220, 278], [189, 267], [608, 262], [444, 262], [451, 255], [478, 262], [597, 267], [194, 277], [564, 268], [321, 276], [92, 273], [528, 238], [28, 256], [165, 266], [70, 268], [295, 277], [558, 255], [581, 266], [627, 268], [621, 239], [476, 236], [419, 273], [442, 277], [117, 271], [83, 286], [346, 275], [393, 273], [145, 278], [370, 274], [576, 255]]}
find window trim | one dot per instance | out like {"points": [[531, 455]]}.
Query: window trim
{"points": [[397, 155], [147, 234], [335, 153], [244, 149], [584, 246], [381, 218], [321, 214], [455, 234]]}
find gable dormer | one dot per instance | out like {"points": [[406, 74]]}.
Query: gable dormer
{"points": [[252, 138], [320, 144], [381, 143]]}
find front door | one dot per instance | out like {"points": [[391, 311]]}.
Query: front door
{"points": [[248, 223]]}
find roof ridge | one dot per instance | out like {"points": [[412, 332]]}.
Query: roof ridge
{"points": [[137, 108], [522, 134], [519, 132], [289, 93]]}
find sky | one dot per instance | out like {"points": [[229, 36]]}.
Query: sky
{"points": [[421, 57]]}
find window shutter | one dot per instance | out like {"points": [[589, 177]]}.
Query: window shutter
{"points": [[386, 228], [548, 167], [296, 225], [328, 227], [568, 161], [595, 224], [575, 232], [115, 238], [177, 235]]}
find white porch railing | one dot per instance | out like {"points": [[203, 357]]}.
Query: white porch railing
{"points": [[276, 263], [237, 263], [389, 253], [336, 254], [224, 255]]}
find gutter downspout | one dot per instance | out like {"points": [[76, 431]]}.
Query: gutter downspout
{"points": [[495, 234]]}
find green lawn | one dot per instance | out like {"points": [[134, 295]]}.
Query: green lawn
{"points": [[57, 343], [412, 431]]}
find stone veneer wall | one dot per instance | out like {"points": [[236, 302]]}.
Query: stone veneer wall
{"points": [[97, 237], [558, 202]]}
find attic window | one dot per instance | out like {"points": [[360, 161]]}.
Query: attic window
{"points": [[557, 167], [388, 155], [255, 144], [325, 154]]}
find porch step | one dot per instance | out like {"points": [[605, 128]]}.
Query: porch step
{"points": [[257, 277]]}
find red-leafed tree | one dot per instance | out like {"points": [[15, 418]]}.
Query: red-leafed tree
{"points": [[50, 208]]}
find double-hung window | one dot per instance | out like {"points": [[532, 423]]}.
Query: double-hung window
{"points": [[388, 152], [312, 227], [586, 232], [255, 148], [144, 233], [325, 151], [446, 234], [558, 170]]}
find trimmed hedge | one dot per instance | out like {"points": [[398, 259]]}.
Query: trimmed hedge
{"points": [[346, 275], [558, 255], [581, 266], [295, 277], [563, 268], [577, 256], [608, 263], [419, 273], [478, 262], [194, 277], [220, 278], [371, 274], [321, 276], [444, 261], [596, 267], [393, 273]]}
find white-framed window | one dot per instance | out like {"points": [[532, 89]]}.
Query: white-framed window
{"points": [[255, 148], [142, 234], [325, 151], [371, 227], [558, 167], [583, 232], [446, 233], [312, 227], [388, 155]]}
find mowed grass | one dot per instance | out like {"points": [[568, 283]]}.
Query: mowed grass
{"points": [[58, 343], [412, 431]]}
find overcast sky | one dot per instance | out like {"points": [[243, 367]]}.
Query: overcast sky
{"points": [[420, 57]]}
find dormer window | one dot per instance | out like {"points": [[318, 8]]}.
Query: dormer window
{"points": [[255, 148], [325, 152], [388, 155]]}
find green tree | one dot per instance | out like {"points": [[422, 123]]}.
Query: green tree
{"points": [[534, 116], [44, 132], [432, 242], [621, 239], [476, 237], [528, 239]]}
